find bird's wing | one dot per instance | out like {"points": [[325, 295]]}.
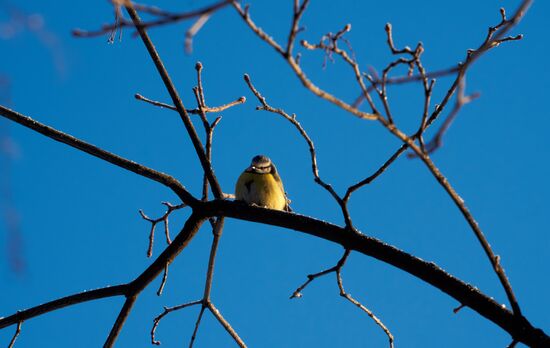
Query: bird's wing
{"points": [[277, 178], [242, 188]]}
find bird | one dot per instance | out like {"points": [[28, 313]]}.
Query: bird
{"points": [[261, 185]]}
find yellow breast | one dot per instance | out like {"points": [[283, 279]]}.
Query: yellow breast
{"points": [[260, 189]]}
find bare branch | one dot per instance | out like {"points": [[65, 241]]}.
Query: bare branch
{"points": [[137, 168], [376, 174], [15, 335], [299, 10], [429, 272], [461, 100], [226, 325], [457, 309], [163, 281], [206, 166], [20, 316], [348, 297], [197, 324], [166, 311], [164, 219], [337, 269], [332, 47], [120, 320], [193, 30], [206, 109], [296, 68], [311, 277], [165, 18]]}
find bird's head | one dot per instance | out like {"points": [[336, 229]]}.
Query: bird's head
{"points": [[260, 164]]}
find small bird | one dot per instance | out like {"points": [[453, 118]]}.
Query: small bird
{"points": [[260, 184]]}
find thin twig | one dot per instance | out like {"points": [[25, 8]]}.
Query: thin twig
{"points": [[217, 233], [437, 141], [398, 80], [348, 297], [193, 30], [311, 277], [164, 219], [332, 47], [244, 13], [163, 282], [166, 311], [226, 325], [337, 269], [165, 18], [206, 109], [457, 309], [15, 335], [197, 324], [376, 174], [298, 11]]}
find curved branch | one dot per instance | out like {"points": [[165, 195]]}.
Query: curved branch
{"points": [[93, 150], [516, 325]]}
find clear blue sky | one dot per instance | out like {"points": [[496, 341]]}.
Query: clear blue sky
{"points": [[79, 216]]}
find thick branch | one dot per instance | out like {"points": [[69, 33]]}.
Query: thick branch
{"points": [[517, 326]]}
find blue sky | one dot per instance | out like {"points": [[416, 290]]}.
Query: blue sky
{"points": [[79, 216]]}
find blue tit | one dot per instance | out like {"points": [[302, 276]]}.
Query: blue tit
{"points": [[260, 184]]}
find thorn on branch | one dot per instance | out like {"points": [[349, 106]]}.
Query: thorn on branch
{"points": [[512, 344], [457, 309]]}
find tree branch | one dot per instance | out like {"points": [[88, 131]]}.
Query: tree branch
{"points": [[120, 320], [132, 166], [516, 325], [165, 18], [206, 165], [85, 296]]}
